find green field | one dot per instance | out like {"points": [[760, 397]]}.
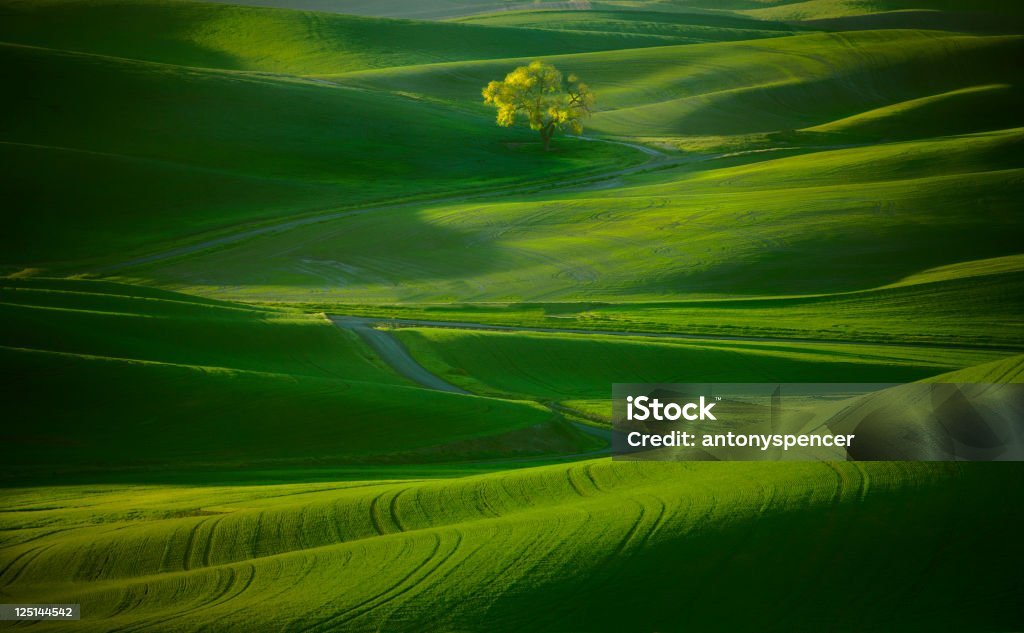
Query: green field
{"points": [[858, 219], [558, 366], [215, 380], [769, 191], [449, 554]]}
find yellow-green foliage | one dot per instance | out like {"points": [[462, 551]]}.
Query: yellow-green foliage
{"points": [[538, 92]]}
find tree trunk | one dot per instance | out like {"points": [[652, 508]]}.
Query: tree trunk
{"points": [[546, 133]]}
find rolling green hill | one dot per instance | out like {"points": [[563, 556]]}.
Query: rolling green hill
{"points": [[1008, 370], [230, 37], [582, 367], [140, 164], [830, 187], [124, 160], [225, 387], [415, 9], [688, 27], [759, 86], [972, 109], [595, 546], [976, 304], [762, 9], [817, 9], [576, 369], [100, 319], [852, 219]]}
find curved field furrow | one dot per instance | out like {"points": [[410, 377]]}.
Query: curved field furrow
{"points": [[20, 563], [239, 593], [448, 544], [536, 538], [227, 579]]}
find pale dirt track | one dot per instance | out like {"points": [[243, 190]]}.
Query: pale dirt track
{"points": [[392, 352]]}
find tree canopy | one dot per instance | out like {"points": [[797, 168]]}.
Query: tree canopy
{"points": [[547, 100]]}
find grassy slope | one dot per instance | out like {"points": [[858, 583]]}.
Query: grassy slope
{"points": [[839, 7], [816, 9], [689, 27], [592, 546], [746, 87], [975, 108], [223, 387], [413, 9], [582, 367], [145, 154], [141, 164], [1005, 371], [577, 370], [81, 318], [977, 304], [856, 219], [783, 9], [208, 35], [853, 219], [936, 421], [597, 546]]}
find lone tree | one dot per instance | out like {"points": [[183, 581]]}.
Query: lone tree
{"points": [[538, 92]]}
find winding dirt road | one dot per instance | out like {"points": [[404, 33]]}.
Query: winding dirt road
{"points": [[392, 352]]}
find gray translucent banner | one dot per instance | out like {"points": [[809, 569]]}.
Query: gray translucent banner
{"points": [[40, 612], [818, 421]]}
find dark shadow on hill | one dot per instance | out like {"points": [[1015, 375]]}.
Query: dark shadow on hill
{"points": [[800, 103], [939, 551], [958, 21], [822, 264], [151, 154], [982, 108]]}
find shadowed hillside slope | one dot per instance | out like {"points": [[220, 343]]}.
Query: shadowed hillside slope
{"points": [[152, 153], [755, 87], [279, 41], [854, 219], [224, 387], [594, 546]]}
